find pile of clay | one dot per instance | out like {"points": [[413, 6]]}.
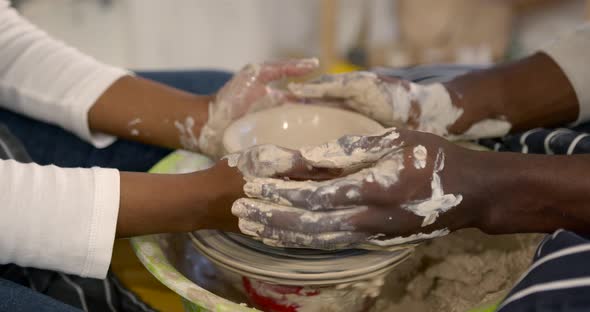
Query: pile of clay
{"points": [[458, 272]]}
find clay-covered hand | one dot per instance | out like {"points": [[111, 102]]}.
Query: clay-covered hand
{"points": [[394, 188], [395, 102], [248, 91]]}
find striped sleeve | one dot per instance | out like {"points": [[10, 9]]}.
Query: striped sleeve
{"points": [[558, 279]]}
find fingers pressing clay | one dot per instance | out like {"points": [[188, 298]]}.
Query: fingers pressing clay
{"points": [[364, 92], [331, 194], [353, 151], [284, 238], [269, 161], [325, 161], [287, 68], [332, 86], [326, 230], [294, 219], [272, 98], [248, 91], [266, 161]]}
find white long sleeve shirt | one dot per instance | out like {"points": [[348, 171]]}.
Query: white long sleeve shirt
{"points": [[53, 218]]}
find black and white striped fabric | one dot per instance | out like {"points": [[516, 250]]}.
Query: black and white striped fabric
{"points": [[559, 277], [560, 141], [557, 281], [86, 294]]}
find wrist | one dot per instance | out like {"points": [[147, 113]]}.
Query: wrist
{"points": [[472, 178], [481, 105], [533, 193], [492, 186], [218, 187], [436, 112], [212, 128]]}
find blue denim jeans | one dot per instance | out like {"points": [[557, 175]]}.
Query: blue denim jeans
{"points": [[17, 298], [47, 144]]}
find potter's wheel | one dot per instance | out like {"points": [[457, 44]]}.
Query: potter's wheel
{"points": [[289, 266]]}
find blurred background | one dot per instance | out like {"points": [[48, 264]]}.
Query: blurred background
{"points": [[345, 34]]}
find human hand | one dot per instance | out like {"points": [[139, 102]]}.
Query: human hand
{"points": [[166, 203], [248, 91], [398, 187], [395, 102]]}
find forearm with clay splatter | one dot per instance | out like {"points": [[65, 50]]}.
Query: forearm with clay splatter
{"points": [[394, 102], [142, 110], [531, 92]]}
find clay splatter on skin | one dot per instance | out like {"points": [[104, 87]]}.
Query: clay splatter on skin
{"points": [[265, 161], [439, 202], [232, 159], [420, 154], [352, 151], [352, 194], [414, 238], [487, 128], [315, 195], [134, 122], [187, 137], [133, 130]]}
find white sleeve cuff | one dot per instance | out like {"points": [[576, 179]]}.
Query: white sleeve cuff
{"points": [[571, 52], [104, 223], [85, 97]]}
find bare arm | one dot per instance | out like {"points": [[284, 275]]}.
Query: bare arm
{"points": [[153, 203], [149, 112]]}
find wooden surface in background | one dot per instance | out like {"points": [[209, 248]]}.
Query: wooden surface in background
{"points": [[328, 12], [446, 31]]}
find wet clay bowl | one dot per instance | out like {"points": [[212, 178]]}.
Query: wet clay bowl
{"points": [[294, 126], [297, 280]]}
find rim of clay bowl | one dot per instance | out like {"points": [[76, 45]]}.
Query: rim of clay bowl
{"points": [[149, 252], [230, 138], [253, 259]]}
